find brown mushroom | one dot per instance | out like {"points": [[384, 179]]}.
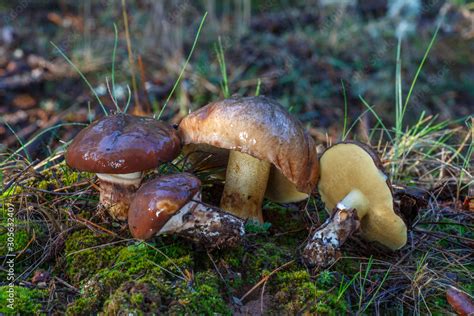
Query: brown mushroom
{"points": [[353, 184], [118, 148], [172, 204], [270, 152]]}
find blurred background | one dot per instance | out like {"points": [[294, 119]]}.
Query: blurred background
{"points": [[309, 55]]}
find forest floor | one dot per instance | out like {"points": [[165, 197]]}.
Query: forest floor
{"points": [[336, 71]]}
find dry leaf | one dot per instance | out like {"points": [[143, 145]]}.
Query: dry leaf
{"points": [[460, 302]]}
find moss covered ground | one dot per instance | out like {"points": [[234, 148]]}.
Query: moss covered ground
{"points": [[97, 268]]}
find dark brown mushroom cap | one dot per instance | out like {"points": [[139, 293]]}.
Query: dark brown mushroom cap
{"points": [[123, 143], [158, 200], [260, 127]]}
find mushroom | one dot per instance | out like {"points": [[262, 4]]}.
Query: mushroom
{"points": [[353, 184], [172, 204], [270, 152], [119, 148]]}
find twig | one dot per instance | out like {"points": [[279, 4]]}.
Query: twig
{"points": [[264, 279]]}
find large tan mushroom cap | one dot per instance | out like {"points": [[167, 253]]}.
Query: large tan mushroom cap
{"points": [[262, 128], [348, 167]]}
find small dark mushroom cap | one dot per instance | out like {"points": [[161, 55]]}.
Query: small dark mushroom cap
{"points": [[123, 143], [259, 127], [158, 200]]}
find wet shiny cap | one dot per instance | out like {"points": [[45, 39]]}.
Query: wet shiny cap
{"points": [[262, 128], [123, 143], [158, 200]]}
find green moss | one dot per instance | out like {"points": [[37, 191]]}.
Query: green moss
{"points": [[12, 191], [282, 219], [25, 301], [142, 279], [202, 298], [253, 226], [86, 254], [69, 177], [266, 256], [58, 176], [178, 297], [21, 237], [47, 184], [295, 292], [111, 286], [136, 298]]}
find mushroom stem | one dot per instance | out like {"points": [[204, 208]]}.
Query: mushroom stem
{"points": [[356, 200], [205, 225], [116, 192], [322, 249], [245, 185]]}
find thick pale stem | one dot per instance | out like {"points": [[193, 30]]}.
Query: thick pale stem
{"points": [[116, 192], [245, 185], [322, 249], [205, 225]]}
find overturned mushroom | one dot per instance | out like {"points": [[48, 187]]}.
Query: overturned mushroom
{"points": [[118, 148], [353, 184], [171, 204], [270, 152]]}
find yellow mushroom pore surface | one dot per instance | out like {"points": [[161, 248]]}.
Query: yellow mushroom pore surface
{"points": [[347, 167]]}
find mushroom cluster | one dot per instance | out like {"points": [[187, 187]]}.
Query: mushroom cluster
{"points": [[264, 151], [119, 148]]}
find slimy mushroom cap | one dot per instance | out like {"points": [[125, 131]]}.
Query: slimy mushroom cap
{"points": [[158, 200], [122, 144]]}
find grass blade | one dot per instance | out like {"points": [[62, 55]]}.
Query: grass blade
{"points": [[82, 76], [184, 66], [344, 129], [419, 69], [36, 136], [114, 52], [223, 68]]}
